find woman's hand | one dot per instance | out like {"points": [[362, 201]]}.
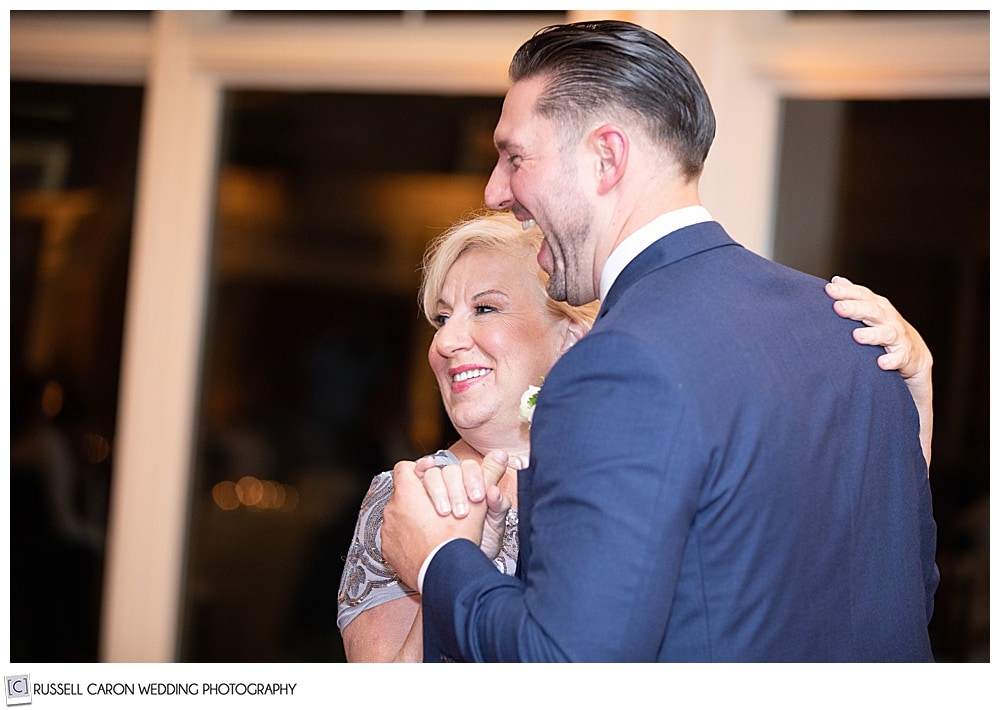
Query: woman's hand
{"points": [[495, 527], [455, 489], [905, 350]]}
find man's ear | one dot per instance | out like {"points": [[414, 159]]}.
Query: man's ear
{"points": [[611, 144], [574, 331]]}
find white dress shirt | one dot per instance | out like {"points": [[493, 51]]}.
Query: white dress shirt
{"points": [[636, 242]]}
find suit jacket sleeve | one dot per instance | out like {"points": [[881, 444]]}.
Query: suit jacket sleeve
{"points": [[607, 526]]}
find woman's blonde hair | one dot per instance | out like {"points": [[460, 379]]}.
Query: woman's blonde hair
{"points": [[497, 231]]}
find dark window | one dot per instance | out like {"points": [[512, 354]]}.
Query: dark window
{"points": [[73, 159]]}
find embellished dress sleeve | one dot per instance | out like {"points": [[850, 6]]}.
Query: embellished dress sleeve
{"points": [[367, 579]]}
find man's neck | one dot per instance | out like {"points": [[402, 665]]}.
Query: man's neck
{"points": [[660, 227], [651, 202]]}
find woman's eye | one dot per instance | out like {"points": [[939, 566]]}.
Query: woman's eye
{"points": [[485, 309], [440, 319]]}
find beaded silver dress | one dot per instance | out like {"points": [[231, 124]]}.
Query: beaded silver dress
{"points": [[367, 579]]}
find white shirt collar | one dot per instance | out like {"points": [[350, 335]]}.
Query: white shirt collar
{"points": [[636, 242]]}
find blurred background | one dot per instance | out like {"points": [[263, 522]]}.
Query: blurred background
{"points": [[216, 224]]}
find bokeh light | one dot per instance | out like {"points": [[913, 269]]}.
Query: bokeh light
{"points": [[257, 495]]}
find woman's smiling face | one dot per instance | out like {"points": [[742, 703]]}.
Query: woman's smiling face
{"points": [[495, 337]]}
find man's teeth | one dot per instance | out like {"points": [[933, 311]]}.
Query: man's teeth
{"points": [[527, 224], [469, 374]]}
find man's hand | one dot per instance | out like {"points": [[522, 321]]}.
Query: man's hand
{"points": [[412, 528], [454, 489]]}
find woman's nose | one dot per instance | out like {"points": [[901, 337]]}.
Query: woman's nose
{"points": [[452, 337], [497, 194]]}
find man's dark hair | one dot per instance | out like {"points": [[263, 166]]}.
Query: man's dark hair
{"points": [[595, 65]]}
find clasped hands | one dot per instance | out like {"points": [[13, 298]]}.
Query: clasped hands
{"points": [[432, 504]]}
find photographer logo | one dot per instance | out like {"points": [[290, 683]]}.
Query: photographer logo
{"points": [[18, 689]]}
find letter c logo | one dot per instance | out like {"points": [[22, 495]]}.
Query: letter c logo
{"points": [[17, 686]]}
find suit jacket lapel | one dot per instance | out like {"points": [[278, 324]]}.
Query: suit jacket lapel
{"points": [[524, 501]]}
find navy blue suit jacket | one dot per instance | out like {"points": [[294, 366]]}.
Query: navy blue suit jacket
{"points": [[718, 473]]}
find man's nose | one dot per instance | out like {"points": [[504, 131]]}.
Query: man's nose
{"points": [[497, 194]]}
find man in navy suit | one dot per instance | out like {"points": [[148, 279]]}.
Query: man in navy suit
{"points": [[717, 473]]}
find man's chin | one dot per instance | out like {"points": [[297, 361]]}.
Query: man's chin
{"points": [[556, 289]]}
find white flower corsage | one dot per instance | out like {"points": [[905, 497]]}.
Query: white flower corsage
{"points": [[528, 400]]}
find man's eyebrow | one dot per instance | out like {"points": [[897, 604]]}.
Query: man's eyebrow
{"points": [[504, 145]]}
